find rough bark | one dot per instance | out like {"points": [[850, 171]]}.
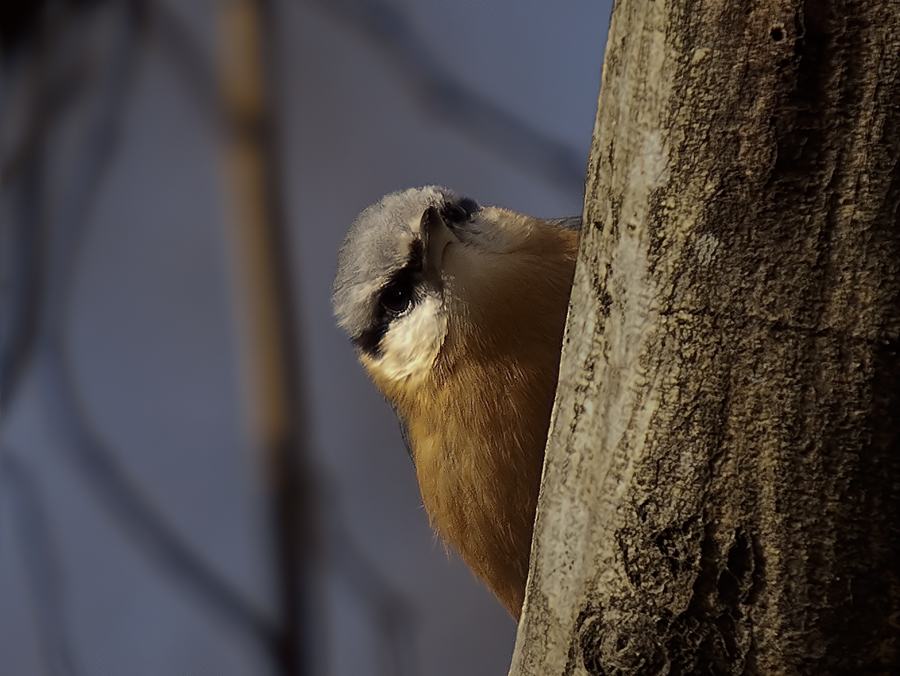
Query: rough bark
{"points": [[721, 487]]}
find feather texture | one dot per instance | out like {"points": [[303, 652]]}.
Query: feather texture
{"points": [[477, 419]]}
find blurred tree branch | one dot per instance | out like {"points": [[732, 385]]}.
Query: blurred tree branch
{"points": [[453, 102], [54, 260], [273, 382]]}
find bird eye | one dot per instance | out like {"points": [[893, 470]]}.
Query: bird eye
{"points": [[459, 213], [396, 298]]}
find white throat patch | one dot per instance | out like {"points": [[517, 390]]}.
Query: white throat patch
{"points": [[412, 342]]}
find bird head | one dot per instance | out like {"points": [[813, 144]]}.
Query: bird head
{"points": [[409, 263]]}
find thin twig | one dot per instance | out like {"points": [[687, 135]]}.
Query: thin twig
{"points": [[49, 95]]}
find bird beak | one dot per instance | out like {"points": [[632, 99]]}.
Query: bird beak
{"points": [[436, 236]]}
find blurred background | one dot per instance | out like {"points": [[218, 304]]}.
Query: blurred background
{"points": [[196, 476]]}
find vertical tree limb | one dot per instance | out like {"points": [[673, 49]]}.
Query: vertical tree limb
{"points": [[722, 485]]}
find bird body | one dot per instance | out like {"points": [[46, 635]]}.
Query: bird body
{"points": [[460, 324]]}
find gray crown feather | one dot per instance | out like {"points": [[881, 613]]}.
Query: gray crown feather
{"points": [[376, 246]]}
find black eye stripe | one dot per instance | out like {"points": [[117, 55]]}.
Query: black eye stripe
{"points": [[369, 341], [415, 262], [403, 284]]}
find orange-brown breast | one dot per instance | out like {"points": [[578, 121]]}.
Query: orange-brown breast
{"points": [[478, 424]]}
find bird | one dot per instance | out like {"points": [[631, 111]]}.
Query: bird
{"points": [[457, 312]]}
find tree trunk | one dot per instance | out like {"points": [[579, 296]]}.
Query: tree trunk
{"points": [[721, 493]]}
